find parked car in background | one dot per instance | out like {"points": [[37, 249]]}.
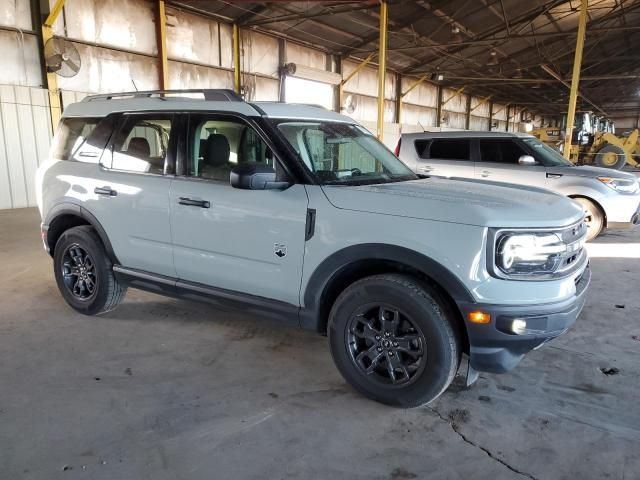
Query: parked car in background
{"points": [[610, 198], [299, 214]]}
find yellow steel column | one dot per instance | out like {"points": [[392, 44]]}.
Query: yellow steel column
{"points": [[237, 85], [55, 108], [575, 79], [382, 65], [161, 34]]}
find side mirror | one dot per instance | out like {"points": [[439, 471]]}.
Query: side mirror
{"points": [[255, 176], [527, 160]]}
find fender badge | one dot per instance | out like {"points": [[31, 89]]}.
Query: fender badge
{"points": [[280, 249]]}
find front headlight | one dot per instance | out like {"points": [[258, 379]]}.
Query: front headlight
{"points": [[529, 253], [534, 255], [623, 185]]}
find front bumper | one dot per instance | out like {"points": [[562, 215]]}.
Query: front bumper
{"points": [[495, 348], [622, 211]]}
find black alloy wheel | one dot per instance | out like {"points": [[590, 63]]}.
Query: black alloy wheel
{"points": [[79, 272], [385, 344]]}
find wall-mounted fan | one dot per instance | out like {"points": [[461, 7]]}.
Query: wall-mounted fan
{"points": [[61, 57], [350, 104]]}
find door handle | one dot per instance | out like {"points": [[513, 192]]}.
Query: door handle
{"points": [[426, 169], [194, 203], [88, 154], [108, 191], [485, 173]]}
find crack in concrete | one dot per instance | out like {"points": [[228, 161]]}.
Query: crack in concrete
{"points": [[473, 444]]}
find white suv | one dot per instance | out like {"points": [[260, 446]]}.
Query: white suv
{"points": [[300, 214]]}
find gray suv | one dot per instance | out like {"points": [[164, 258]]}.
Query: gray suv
{"points": [[610, 198], [297, 213]]}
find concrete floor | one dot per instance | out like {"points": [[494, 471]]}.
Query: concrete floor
{"points": [[166, 389]]}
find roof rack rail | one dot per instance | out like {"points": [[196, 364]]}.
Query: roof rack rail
{"points": [[214, 95]]}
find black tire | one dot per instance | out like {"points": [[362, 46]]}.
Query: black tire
{"points": [[84, 273], [418, 381], [594, 217], [611, 156]]}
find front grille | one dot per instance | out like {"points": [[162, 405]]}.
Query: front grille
{"points": [[575, 237]]}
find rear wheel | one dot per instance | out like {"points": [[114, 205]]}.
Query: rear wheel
{"points": [[84, 273], [593, 217], [393, 339], [611, 156]]}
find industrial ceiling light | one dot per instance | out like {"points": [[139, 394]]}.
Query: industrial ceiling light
{"points": [[493, 59], [456, 37]]}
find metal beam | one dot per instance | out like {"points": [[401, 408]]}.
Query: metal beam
{"points": [[306, 15], [481, 102], [356, 70], [55, 107], [467, 116], [457, 93], [573, 96], [382, 65], [555, 75], [439, 106], [161, 39], [490, 115], [237, 78], [503, 39]]}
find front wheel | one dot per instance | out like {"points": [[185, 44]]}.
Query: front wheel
{"points": [[84, 273], [611, 156], [393, 339], [593, 217]]}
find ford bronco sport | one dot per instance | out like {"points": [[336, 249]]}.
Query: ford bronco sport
{"points": [[300, 214]]}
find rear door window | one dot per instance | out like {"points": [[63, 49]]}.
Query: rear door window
{"points": [[500, 150], [444, 149], [141, 144]]}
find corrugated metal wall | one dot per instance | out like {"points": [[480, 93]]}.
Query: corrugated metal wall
{"points": [[24, 142]]}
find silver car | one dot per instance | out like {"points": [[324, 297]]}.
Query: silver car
{"points": [[610, 197]]}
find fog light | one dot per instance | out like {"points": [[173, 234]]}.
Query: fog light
{"points": [[519, 326], [479, 317]]}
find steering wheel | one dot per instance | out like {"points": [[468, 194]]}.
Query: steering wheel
{"points": [[356, 172]]}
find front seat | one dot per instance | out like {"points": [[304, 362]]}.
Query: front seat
{"points": [[215, 163]]}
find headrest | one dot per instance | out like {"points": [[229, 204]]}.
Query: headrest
{"points": [[139, 147], [217, 150]]}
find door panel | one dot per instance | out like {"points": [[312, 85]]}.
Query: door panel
{"points": [[499, 163], [250, 241], [233, 243], [130, 201]]}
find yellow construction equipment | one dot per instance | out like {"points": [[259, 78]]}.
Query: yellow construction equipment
{"points": [[594, 142]]}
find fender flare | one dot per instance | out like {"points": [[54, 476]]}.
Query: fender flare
{"points": [[86, 215], [337, 262]]}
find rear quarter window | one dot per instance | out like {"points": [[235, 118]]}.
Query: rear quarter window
{"points": [[71, 134]]}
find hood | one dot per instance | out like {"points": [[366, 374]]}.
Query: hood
{"points": [[591, 172], [471, 202]]}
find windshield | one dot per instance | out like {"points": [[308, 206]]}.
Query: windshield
{"points": [[344, 154], [548, 156]]}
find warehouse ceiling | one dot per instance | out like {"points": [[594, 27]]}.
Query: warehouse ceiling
{"points": [[517, 51]]}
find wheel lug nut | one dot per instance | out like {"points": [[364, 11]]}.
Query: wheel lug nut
{"points": [[377, 337], [395, 344], [379, 349], [391, 353]]}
